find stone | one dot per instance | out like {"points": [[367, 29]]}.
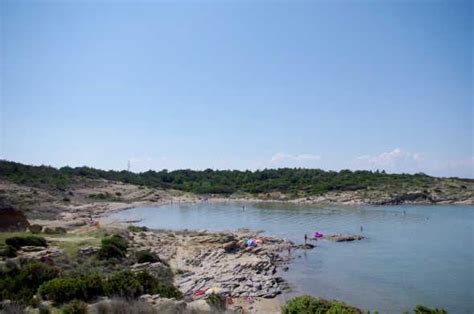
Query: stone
{"points": [[88, 250], [12, 219], [231, 246], [344, 238]]}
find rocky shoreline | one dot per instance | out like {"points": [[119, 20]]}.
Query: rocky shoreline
{"points": [[220, 261]]}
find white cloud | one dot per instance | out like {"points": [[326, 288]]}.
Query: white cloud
{"points": [[393, 158], [289, 160]]}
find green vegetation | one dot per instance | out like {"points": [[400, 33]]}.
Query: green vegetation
{"points": [[113, 247], [35, 228], [137, 229], [306, 304], [61, 290], [216, 301], [56, 230], [421, 309], [19, 241], [288, 181], [309, 305], [146, 256], [20, 282], [75, 307]]}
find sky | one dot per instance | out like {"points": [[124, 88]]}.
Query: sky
{"points": [[238, 84]]}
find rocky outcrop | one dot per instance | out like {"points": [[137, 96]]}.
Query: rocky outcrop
{"points": [[12, 219], [344, 237], [88, 250], [39, 253], [217, 261]]}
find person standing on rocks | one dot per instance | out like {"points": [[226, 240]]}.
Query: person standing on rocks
{"points": [[305, 238]]}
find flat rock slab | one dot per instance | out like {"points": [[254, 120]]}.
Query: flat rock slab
{"points": [[344, 237]]}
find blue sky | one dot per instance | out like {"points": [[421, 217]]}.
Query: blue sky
{"points": [[239, 85]]}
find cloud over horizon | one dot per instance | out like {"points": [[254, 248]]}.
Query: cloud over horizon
{"points": [[290, 160], [402, 161]]}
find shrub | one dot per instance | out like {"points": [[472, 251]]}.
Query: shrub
{"points": [[75, 307], [62, 290], [65, 289], [152, 285], [20, 284], [310, 305], [123, 284], [56, 230], [43, 309], [18, 242], [421, 309], [94, 286], [146, 256], [35, 228], [137, 228], [66, 199], [113, 247], [216, 301], [8, 251], [118, 193]]}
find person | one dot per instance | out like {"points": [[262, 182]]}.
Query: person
{"points": [[361, 229], [289, 249], [305, 238]]}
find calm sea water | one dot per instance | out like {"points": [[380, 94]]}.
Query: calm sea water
{"points": [[412, 254]]}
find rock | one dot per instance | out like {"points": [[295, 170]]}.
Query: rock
{"points": [[12, 219], [28, 248], [344, 238], [306, 246], [77, 223], [199, 306], [231, 246], [88, 250], [43, 254]]}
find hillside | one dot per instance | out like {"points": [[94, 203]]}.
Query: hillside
{"points": [[31, 187]]}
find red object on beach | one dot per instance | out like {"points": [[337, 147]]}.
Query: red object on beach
{"points": [[199, 293]]}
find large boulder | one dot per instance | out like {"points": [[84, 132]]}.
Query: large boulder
{"points": [[12, 219]]}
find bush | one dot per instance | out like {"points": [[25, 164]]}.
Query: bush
{"points": [[75, 307], [8, 251], [137, 228], [18, 242], [43, 309], [65, 289], [94, 286], [216, 301], [310, 305], [152, 285], [66, 199], [123, 284], [35, 228], [56, 230], [421, 309], [113, 247], [147, 257], [127, 284], [20, 284], [62, 290]]}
